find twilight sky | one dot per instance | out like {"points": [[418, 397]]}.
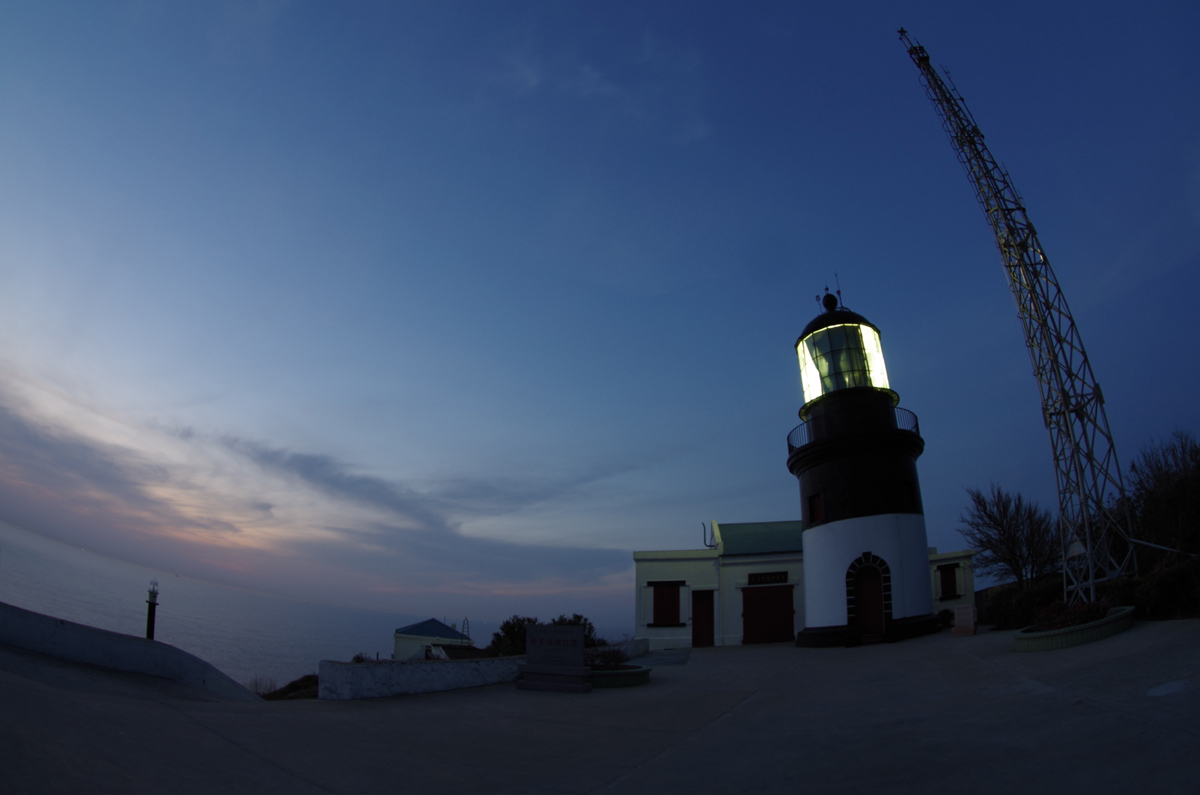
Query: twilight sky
{"points": [[445, 308]]}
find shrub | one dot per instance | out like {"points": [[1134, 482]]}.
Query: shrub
{"points": [[946, 617], [1119, 592], [1171, 593], [261, 685], [589, 630], [1059, 616], [510, 639], [1010, 607], [304, 687]]}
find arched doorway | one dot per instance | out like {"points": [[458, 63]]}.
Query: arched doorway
{"points": [[869, 597]]}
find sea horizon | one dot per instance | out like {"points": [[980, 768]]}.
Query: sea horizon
{"points": [[246, 634]]}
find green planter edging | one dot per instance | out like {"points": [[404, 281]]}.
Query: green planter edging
{"points": [[624, 677], [1117, 621]]}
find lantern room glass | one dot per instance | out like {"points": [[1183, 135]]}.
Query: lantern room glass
{"points": [[841, 357]]}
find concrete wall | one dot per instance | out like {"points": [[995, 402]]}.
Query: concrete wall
{"points": [[341, 681], [67, 640]]}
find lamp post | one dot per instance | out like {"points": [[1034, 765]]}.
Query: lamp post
{"points": [[152, 605]]}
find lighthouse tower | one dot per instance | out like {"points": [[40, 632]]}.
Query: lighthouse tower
{"points": [[866, 559]]}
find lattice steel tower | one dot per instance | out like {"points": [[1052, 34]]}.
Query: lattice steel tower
{"points": [[1094, 524]]}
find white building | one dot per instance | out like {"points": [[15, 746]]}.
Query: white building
{"points": [[749, 587], [952, 575]]}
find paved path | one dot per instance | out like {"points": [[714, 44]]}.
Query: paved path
{"points": [[930, 715]]}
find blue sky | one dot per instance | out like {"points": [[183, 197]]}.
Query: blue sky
{"points": [[446, 307]]}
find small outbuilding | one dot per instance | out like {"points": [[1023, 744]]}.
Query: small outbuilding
{"points": [[412, 640]]}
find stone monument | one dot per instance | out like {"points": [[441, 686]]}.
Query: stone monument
{"points": [[554, 659]]}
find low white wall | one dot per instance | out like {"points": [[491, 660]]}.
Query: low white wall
{"points": [[340, 681], [67, 640], [632, 648]]}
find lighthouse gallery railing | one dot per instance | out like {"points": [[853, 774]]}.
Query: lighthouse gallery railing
{"points": [[832, 425]]}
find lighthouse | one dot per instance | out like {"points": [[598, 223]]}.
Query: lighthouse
{"points": [[866, 556]]}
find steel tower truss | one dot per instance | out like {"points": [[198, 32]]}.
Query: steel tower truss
{"points": [[1094, 524]]}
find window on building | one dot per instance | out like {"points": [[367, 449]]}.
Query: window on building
{"points": [[949, 577], [816, 510], [666, 603]]}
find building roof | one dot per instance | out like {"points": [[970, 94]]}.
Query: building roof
{"points": [[432, 628], [760, 538], [675, 554], [941, 557]]}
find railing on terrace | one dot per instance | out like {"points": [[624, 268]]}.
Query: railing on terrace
{"points": [[831, 425]]}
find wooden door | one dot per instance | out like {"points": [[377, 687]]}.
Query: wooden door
{"points": [[768, 615], [702, 618], [868, 601]]}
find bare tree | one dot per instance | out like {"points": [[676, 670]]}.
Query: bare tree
{"points": [[1164, 489], [1015, 538]]}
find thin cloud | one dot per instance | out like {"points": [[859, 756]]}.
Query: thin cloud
{"points": [[586, 80], [660, 87], [335, 478], [520, 75], [442, 503], [250, 514], [40, 462], [498, 496]]}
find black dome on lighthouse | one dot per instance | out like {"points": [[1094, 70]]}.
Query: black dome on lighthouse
{"points": [[836, 317]]}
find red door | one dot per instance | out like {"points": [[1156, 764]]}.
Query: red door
{"points": [[768, 615], [868, 601], [702, 618]]}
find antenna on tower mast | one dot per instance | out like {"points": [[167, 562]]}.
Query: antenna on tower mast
{"points": [[1093, 514]]}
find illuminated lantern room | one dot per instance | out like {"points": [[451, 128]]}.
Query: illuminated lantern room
{"points": [[839, 350]]}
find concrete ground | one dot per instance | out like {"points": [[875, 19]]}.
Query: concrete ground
{"points": [[934, 714]]}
